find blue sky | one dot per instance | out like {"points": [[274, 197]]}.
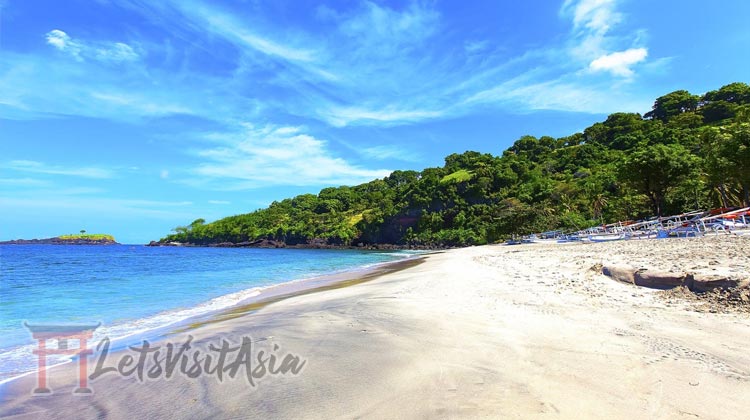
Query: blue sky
{"points": [[134, 116]]}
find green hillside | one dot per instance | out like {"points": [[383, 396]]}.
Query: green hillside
{"points": [[688, 152]]}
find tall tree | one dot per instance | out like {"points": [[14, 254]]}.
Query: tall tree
{"points": [[737, 152], [653, 170]]}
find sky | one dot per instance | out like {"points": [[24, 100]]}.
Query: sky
{"points": [[132, 117]]}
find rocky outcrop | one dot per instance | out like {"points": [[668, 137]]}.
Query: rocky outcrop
{"points": [[61, 241]]}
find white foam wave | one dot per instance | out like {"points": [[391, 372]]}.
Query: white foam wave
{"points": [[20, 361]]}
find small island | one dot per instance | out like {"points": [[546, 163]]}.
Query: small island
{"points": [[82, 238]]}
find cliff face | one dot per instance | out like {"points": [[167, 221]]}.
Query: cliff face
{"points": [[62, 241]]}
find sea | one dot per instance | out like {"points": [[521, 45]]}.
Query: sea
{"points": [[134, 289]]}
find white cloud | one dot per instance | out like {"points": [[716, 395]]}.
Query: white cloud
{"points": [[115, 52], [164, 174], [619, 63], [343, 116], [63, 42], [220, 202], [41, 168], [266, 156], [594, 41], [58, 39]]}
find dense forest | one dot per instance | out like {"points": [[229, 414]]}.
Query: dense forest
{"points": [[689, 152]]}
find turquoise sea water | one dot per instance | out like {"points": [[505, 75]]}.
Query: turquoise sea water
{"points": [[132, 289]]}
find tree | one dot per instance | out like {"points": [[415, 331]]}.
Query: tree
{"points": [[717, 111], [653, 170], [83, 231], [672, 104], [598, 203], [623, 130], [738, 93], [737, 151]]}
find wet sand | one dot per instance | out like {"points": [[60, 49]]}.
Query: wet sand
{"points": [[484, 332]]}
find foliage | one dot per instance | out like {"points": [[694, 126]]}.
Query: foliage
{"points": [[88, 236], [654, 170], [461, 175], [689, 151]]}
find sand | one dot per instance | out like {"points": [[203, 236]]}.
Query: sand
{"points": [[526, 331]]}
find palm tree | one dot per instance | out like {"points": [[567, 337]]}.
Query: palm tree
{"points": [[598, 204]]}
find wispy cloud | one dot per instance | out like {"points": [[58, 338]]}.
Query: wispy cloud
{"points": [[37, 87], [384, 31], [228, 26], [592, 22], [255, 157], [115, 52], [42, 168], [144, 105], [476, 47], [114, 207], [593, 40], [374, 64], [23, 182], [385, 152], [343, 116]]}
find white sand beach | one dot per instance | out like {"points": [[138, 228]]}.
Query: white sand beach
{"points": [[497, 331]]}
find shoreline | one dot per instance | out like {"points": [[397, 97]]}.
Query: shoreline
{"points": [[260, 296], [274, 244], [295, 288], [481, 332]]}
